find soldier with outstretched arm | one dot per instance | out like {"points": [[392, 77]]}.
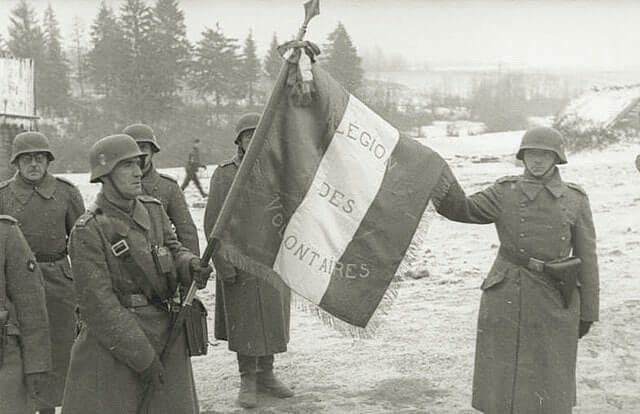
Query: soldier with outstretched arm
{"points": [[528, 330], [129, 266]]}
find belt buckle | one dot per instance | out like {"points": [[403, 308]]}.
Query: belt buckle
{"points": [[119, 248], [535, 264], [138, 301]]}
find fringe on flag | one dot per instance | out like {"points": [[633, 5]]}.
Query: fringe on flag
{"points": [[415, 252]]}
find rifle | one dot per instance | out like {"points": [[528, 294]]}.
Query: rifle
{"points": [[565, 272]]}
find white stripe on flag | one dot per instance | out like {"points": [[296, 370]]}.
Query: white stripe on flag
{"points": [[346, 183]]}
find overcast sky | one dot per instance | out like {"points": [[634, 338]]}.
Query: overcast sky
{"points": [[602, 34]]}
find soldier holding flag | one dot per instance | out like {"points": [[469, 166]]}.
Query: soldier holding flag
{"points": [[251, 315], [531, 318]]}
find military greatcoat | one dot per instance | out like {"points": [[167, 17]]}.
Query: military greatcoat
{"points": [[250, 314], [46, 213], [166, 189], [121, 334], [526, 340], [26, 348]]}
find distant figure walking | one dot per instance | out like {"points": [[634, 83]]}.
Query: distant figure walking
{"points": [[192, 167]]}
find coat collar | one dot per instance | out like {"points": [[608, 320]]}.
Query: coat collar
{"points": [[24, 189], [151, 178], [532, 186], [139, 214]]}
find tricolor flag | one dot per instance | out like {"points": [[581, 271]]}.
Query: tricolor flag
{"points": [[327, 199]]}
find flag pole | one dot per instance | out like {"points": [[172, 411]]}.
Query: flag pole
{"points": [[311, 9]]}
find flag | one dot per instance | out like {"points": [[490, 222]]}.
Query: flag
{"points": [[327, 199]]}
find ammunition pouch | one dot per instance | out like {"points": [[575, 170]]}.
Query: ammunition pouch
{"points": [[196, 328]]}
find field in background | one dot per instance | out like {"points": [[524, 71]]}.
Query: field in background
{"points": [[421, 359]]}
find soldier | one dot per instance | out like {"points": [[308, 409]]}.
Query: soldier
{"points": [[46, 208], [25, 349], [128, 264], [527, 330], [250, 314], [164, 187], [193, 165], [638, 162]]}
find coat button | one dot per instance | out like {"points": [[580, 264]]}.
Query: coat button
{"points": [[563, 238], [522, 220], [522, 250], [522, 235]]}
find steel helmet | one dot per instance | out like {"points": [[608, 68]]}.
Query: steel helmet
{"points": [[543, 138], [246, 121], [107, 152], [142, 133], [26, 142]]}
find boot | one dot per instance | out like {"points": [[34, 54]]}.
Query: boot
{"points": [[267, 381], [247, 397]]}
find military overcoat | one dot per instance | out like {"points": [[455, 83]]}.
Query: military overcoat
{"points": [[118, 340], [250, 314], [26, 348], [526, 340], [46, 213], [166, 189]]}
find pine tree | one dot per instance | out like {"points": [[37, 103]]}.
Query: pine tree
{"points": [[250, 67], [136, 21], [79, 59], [27, 41], [216, 67], [54, 89], [107, 57], [341, 59], [273, 60], [171, 52]]}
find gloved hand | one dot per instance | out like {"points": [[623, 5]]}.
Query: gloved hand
{"points": [[154, 374], [584, 328], [35, 383], [200, 274]]}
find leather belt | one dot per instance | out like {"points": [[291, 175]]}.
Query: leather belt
{"points": [[50, 257], [530, 263], [136, 300]]}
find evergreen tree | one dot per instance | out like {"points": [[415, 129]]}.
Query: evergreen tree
{"points": [[54, 89], [136, 21], [250, 67], [341, 59], [273, 60], [27, 41], [107, 58], [79, 59], [216, 67], [171, 52]]}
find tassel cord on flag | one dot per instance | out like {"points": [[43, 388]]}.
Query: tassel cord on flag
{"points": [[259, 136]]}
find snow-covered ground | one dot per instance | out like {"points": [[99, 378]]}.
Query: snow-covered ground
{"points": [[421, 358]]}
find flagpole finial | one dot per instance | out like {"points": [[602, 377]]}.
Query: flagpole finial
{"points": [[311, 9]]}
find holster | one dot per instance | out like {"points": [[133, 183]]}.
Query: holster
{"points": [[196, 328], [4, 318], [565, 271]]}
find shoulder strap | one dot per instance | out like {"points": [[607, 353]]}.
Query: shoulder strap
{"points": [[125, 260]]}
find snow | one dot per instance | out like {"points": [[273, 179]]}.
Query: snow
{"points": [[421, 359], [597, 109]]}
